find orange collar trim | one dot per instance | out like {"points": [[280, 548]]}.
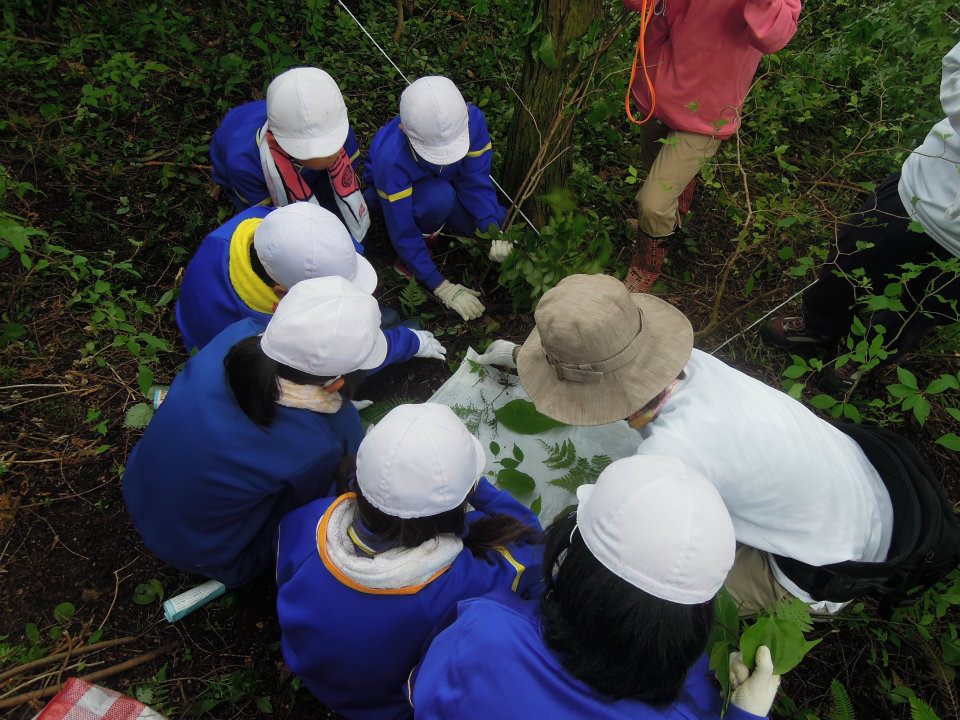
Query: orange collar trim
{"points": [[343, 578]]}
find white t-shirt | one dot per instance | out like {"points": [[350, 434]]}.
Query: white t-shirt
{"points": [[930, 178], [794, 484]]}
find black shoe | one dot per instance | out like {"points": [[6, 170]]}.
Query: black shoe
{"points": [[792, 333]]}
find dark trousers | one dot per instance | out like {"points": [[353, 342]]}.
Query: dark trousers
{"points": [[830, 304]]}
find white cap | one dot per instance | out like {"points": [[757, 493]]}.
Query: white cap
{"points": [[327, 327], [435, 120], [419, 460], [303, 240], [661, 526], [306, 113]]}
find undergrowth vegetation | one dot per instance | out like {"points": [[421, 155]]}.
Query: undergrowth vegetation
{"points": [[108, 108]]}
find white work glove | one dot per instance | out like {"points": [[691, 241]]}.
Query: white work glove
{"points": [[430, 347], [499, 353], [361, 404], [754, 693], [460, 299], [499, 249]]}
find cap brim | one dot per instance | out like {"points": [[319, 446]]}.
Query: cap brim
{"points": [[618, 394], [366, 277], [314, 147], [377, 355], [583, 492], [447, 154]]}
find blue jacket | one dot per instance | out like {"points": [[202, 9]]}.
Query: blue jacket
{"points": [[353, 646], [206, 487], [236, 160], [220, 287], [392, 169], [493, 663]]}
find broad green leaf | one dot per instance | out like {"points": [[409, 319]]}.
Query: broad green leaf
{"points": [[138, 416], [906, 377], [494, 447], [951, 441], [515, 482], [944, 382], [921, 409], [522, 417], [822, 402], [785, 640], [536, 505], [64, 611], [547, 52]]}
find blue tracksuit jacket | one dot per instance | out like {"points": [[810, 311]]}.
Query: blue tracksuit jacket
{"points": [[236, 160], [353, 647], [393, 171], [220, 287], [491, 662], [206, 487]]}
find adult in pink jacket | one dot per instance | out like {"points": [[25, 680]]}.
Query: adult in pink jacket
{"points": [[701, 57]]}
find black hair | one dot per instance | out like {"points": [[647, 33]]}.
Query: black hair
{"points": [[618, 639], [259, 270], [254, 379], [484, 534]]}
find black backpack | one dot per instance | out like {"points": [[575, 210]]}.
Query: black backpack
{"points": [[925, 543]]}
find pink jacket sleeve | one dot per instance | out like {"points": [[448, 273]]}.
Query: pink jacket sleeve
{"points": [[771, 23]]}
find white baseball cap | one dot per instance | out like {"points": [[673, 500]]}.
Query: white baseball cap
{"points": [[435, 120], [419, 460], [304, 240], [306, 113], [326, 326], [661, 526]]}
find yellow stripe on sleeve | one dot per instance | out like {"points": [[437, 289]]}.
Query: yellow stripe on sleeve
{"points": [[354, 157], [397, 195], [516, 566], [481, 151]]}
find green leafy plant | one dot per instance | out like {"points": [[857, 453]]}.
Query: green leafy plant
{"points": [[522, 416], [148, 592], [582, 472]]}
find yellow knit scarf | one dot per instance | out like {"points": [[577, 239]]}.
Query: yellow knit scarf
{"points": [[254, 292]]}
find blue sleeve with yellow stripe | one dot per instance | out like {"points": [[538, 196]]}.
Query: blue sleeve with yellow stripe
{"points": [[490, 501], [395, 193], [353, 150], [474, 187]]}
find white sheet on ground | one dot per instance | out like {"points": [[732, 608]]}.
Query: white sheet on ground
{"points": [[468, 389]]}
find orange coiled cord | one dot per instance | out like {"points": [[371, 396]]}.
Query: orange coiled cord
{"points": [[646, 14]]}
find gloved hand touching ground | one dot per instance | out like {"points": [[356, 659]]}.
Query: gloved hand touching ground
{"points": [[754, 692], [500, 249], [500, 352], [460, 299], [430, 347]]}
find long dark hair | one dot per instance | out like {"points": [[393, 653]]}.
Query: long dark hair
{"points": [[254, 380], [484, 535], [620, 640]]}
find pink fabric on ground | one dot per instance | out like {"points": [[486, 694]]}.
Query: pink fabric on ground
{"points": [[702, 56], [79, 700]]}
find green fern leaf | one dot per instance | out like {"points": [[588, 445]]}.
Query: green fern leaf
{"points": [[375, 412], [842, 705], [411, 297], [560, 456], [794, 611], [919, 710], [583, 472]]}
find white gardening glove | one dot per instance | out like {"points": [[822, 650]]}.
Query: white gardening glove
{"points": [[754, 692], [430, 347], [499, 249], [499, 353], [460, 299]]}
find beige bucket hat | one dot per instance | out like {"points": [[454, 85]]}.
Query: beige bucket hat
{"points": [[599, 353]]}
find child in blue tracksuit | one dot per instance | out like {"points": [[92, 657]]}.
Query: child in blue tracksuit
{"points": [[429, 169], [364, 578], [620, 629], [244, 267], [297, 145], [249, 431]]}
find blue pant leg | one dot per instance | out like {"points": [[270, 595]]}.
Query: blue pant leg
{"points": [[433, 202], [460, 222]]}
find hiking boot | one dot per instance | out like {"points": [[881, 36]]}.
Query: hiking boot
{"points": [[646, 264], [430, 241], [792, 333], [839, 380], [685, 201]]}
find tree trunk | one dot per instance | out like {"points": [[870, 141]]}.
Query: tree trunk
{"points": [[540, 135]]}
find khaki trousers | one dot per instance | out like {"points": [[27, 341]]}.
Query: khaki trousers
{"points": [[751, 582], [672, 164]]}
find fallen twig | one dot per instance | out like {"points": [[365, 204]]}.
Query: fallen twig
{"points": [[19, 669], [92, 677]]}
